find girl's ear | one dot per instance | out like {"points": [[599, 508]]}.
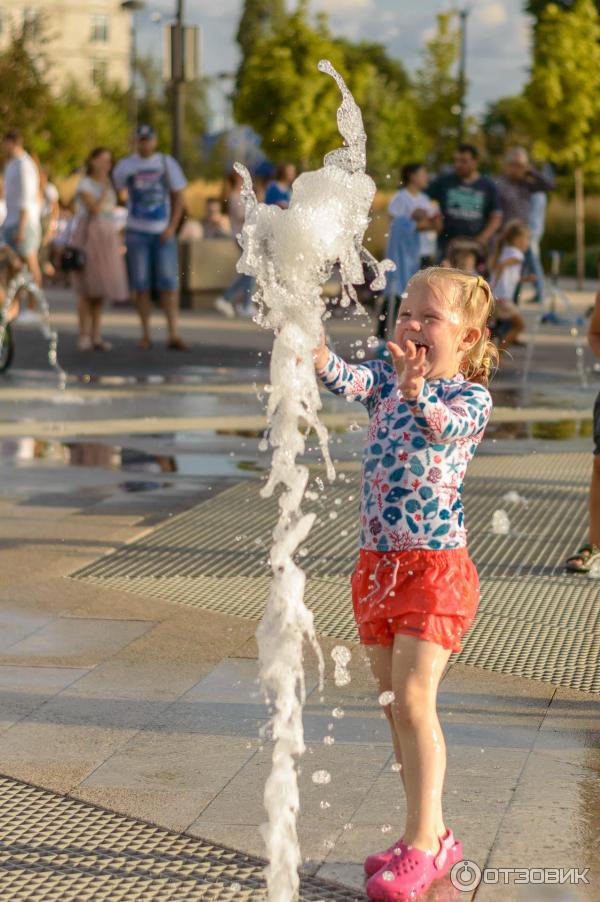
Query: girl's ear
{"points": [[470, 337]]}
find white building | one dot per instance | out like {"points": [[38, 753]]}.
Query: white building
{"points": [[83, 40]]}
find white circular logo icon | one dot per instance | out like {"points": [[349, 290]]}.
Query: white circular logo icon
{"points": [[465, 875]]}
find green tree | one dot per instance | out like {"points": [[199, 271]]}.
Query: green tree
{"points": [[293, 106], [284, 97], [382, 89], [536, 8], [24, 91], [258, 18], [564, 91], [506, 123], [437, 88], [78, 120], [564, 88]]}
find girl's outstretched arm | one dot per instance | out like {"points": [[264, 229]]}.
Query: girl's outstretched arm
{"points": [[440, 422], [462, 416], [341, 378]]}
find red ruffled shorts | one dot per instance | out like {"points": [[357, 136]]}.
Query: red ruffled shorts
{"points": [[429, 594]]}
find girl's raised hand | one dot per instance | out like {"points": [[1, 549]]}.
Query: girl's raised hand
{"points": [[321, 354], [409, 366]]}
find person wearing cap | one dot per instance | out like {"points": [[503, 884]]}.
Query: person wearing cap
{"points": [[154, 183]]}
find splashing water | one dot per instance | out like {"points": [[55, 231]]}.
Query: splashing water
{"points": [[342, 656], [291, 253], [500, 523], [513, 497], [594, 571], [22, 283]]}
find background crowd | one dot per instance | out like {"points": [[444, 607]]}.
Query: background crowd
{"points": [[121, 253]]}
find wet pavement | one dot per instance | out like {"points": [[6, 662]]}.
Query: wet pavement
{"points": [[150, 709]]}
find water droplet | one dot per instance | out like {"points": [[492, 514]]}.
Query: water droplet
{"points": [[354, 427], [388, 875], [324, 805], [500, 523], [386, 828], [333, 515], [263, 445], [321, 777], [348, 826], [338, 713], [386, 698], [328, 740], [360, 354], [396, 767], [328, 843]]}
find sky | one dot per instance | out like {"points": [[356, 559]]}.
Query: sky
{"points": [[497, 36]]}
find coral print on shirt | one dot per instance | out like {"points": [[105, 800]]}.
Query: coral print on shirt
{"points": [[416, 455]]}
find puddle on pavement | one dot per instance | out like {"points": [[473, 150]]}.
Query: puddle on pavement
{"points": [[557, 431], [201, 375], [27, 451]]}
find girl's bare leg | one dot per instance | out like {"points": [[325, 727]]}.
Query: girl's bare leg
{"points": [[96, 314], [380, 659], [85, 317], [417, 668]]}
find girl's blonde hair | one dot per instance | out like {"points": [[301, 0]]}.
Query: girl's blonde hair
{"points": [[473, 297]]}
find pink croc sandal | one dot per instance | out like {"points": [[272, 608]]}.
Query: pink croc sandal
{"points": [[375, 862], [411, 873]]}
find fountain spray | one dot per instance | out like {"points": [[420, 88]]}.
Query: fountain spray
{"points": [[291, 253]]}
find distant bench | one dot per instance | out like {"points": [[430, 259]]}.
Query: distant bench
{"points": [[207, 268]]}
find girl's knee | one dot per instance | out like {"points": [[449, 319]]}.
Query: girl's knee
{"points": [[413, 705]]}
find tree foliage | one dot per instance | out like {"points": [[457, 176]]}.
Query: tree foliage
{"points": [[24, 92], [506, 123], [564, 89], [293, 106], [258, 18], [536, 8], [437, 88]]}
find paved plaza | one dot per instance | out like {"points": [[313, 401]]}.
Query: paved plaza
{"points": [[133, 549]]}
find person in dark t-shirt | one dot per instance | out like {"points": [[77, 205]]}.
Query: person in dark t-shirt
{"points": [[468, 200]]}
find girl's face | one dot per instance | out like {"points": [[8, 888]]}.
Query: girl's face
{"points": [[428, 318], [420, 179], [102, 164], [522, 241]]}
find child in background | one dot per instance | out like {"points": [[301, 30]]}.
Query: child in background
{"points": [[415, 590], [507, 275]]}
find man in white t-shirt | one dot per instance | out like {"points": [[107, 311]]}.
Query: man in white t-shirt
{"points": [[22, 226], [154, 183]]}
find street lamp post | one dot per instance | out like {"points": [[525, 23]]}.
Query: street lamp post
{"points": [[178, 81], [132, 7], [462, 80]]}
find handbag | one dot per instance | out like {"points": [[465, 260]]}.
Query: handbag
{"points": [[73, 258]]}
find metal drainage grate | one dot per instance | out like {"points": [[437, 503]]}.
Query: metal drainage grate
{"points": [[533, 620], [60, 849]]}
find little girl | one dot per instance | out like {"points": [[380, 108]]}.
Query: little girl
{"points": [[415, 590], [507, 274]]}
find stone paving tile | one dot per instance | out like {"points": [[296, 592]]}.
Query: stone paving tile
{"points": [[352, 769], [57, 755], [74, 643], [24, 689], [173, 809], [174, 762]]}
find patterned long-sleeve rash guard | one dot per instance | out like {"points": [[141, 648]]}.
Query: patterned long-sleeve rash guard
{"points": [[416, 454]]}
